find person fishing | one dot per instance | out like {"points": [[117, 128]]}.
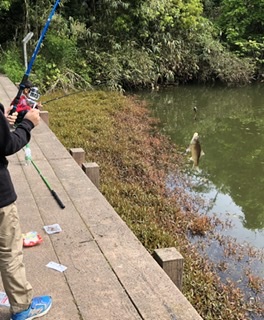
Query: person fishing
{"points": [[23, 305], [19, 291]]}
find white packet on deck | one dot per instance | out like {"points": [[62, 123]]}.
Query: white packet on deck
{"points": [[56, 266], [53, 228], [4, 300]]}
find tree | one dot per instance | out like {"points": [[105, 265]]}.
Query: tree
{"points": [[242, 23], [5, 4]]}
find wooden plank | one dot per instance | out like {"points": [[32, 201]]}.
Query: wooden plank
{"points": [[45, 116], [43, 279], [148, 286], [49, 144], [96, 290], [171, 261], [8, 90], [91, 169], [78, 155]]}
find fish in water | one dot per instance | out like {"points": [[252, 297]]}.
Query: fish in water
{"points": [[196, 150], [195, 112]]}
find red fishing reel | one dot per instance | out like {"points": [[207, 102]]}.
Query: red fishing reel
{"points": [[25, 103]]}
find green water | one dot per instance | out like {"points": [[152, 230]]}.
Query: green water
{"points": [[230, 123]]}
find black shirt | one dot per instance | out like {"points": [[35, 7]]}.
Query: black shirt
{"points": [[10, 143]]}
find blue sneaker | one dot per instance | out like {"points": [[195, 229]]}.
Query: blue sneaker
{"points": [[39, 306]]}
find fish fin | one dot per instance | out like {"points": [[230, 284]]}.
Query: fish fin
{"points": [[188, 150], [202, 153]]}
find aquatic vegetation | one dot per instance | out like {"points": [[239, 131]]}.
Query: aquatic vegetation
{"points": [[137, 167], [200, 225]]}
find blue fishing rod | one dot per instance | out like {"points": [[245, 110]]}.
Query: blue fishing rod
{"points": [[22, 87], [33, 57]]}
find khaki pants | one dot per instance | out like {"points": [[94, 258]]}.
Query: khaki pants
{"points": [[17, 288]]}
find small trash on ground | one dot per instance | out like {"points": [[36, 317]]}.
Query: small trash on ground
{"points": [[4, 302], [56, 266], [53, 228], [31, 239]]}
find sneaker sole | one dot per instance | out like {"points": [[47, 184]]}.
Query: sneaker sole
{"points": [[40, 315]]}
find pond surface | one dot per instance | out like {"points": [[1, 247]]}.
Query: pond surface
{"points": [[230, 123]]}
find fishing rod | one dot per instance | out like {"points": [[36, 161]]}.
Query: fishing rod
{"points": [[66, 95], [28, 159], [33, 57], [23, 85], [54, 194]]}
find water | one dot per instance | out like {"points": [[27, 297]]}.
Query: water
{"points": [[230, 123]]}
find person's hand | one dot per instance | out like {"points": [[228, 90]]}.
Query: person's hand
{"points": [[33, 116], [11, 118], [39, 105]]}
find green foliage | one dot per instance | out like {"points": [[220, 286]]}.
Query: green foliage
{"points": [[11, 66], [241, 19], [127, 66], [60, 50], [242, 23], [47, 73], [211, 8], [172, 13], [5, 4], [216, 63], [127, 44]]}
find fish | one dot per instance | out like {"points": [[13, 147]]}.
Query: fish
{"points": [[196, 150], [195, 112]]}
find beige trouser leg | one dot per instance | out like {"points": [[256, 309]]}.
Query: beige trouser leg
{"points": [[17, 288]]}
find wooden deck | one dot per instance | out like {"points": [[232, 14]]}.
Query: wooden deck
{"points": [[110, 275]]}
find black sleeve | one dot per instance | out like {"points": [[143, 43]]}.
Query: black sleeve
{"points": [[11, 142], [2, 108]]}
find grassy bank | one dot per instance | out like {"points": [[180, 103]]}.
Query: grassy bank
{"points": [[118, 134]]}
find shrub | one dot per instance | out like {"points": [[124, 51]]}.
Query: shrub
{"points": [[11, 65]]}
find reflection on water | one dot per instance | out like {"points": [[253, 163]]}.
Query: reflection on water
{"points": [[230, 123]]}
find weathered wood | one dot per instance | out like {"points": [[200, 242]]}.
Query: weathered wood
{"points": [[171, 261], [44, 116], [89, 287], [148, 286], [92, 171], [78, 155], [8, 91], [33, 216]]}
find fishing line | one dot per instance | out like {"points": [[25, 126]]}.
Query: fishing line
{"points": [[66, 95]]}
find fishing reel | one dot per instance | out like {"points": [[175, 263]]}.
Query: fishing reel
{"points": [[33, 97], [26, 102]]}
